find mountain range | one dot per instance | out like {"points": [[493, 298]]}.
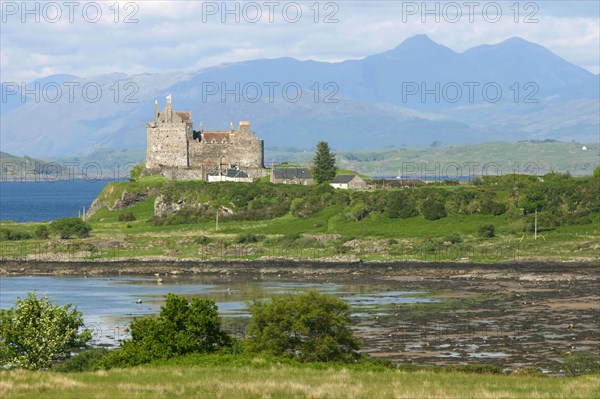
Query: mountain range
{"points": [[414, 94]]}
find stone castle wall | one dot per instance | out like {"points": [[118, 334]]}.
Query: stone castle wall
{"points": [[244, 152], [172, 144], [167, 145]]}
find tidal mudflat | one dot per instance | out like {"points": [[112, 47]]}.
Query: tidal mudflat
{"points": [[517, 315]]}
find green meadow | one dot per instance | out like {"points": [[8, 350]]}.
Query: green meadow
{"points": [[223, 376]]}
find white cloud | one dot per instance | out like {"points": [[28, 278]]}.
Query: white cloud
{"points": [[178, 36]]}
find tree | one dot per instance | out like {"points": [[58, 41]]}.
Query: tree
{"points": [[400, 205], [41, 232], [325, 168], [182, 327], [69, 227], [309, 326], [34, 333], [596, 172], [433, 209]]}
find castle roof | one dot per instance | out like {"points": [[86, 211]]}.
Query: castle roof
{"points": [[185, 116], [217, 136], [292, 173]]}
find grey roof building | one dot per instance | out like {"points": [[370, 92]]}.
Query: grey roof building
{"points": [[291, 176]]}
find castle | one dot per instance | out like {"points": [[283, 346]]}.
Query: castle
{"points": [[177, 151]]}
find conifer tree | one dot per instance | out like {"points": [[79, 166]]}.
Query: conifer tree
{"points": [[325, 168]]}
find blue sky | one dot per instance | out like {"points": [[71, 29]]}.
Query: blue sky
{"points": [[159, 36]]}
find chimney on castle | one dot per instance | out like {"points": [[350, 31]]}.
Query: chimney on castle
{"points": [[169, 109], [272, 166], [155, 110]]}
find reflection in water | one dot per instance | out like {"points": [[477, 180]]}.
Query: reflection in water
{"points": [[109, 304]]}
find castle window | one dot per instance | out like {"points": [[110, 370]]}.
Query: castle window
{"points": [[213, 141], [223, 141]]}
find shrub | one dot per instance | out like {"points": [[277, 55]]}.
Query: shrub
{"points": [[582, 362], [452, 239], [486, 231], [303, 207], [183, 327], [126, 217], [473, 369], [41, 232], [433, 209], [247, 238], [13, 235], [308, 326], [202, 240], [358, 212], [493, 208], [289, 239], [34, 333], [69, 227], [136, 172], [399, 205], [88, 360]]}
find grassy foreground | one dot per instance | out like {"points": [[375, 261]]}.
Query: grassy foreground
{"points": [[286, 381]]}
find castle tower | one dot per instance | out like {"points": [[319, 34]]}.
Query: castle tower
{"points": [[167, 138]]}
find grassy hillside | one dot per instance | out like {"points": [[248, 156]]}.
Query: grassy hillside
{"points": [[156, 217], [214, 376]]}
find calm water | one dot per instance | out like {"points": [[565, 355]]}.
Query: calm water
{"points": [[108, 304], [40, 201]]}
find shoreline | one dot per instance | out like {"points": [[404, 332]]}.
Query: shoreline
{"points": [[289, 268]]}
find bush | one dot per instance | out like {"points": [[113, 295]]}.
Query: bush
{"points": [[183, 327], [13, 235], [486, 231], [88, 360], [69, 227], [41, 232], [452, 239], [136, 172], [247, 238], [202, 240], [34, 333], [399, 205], [580, 363], [473, 369], [493, 208], [309, 326], [433, 209], [126, 217], [358, 212]]}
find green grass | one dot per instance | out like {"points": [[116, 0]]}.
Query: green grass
{"points": [[322, 234], [262, 378]]}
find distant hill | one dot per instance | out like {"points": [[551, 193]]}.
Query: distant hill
{"points": [[104, 163], [541, 96], [530, 157], [452, 160], [28, 162]]}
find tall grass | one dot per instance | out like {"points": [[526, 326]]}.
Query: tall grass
{"points": [[264, 379]]}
